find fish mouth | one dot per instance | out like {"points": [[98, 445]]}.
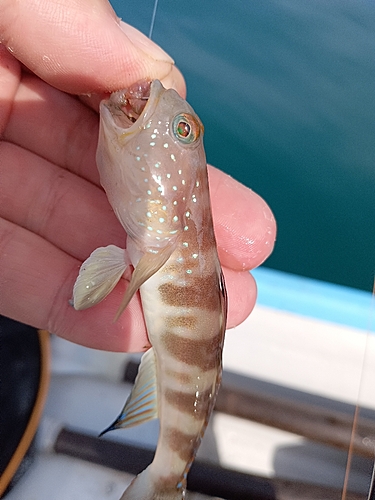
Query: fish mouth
{"points": [[127, 105]]}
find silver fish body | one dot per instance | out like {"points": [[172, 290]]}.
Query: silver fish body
{"points": [[153, 168]]}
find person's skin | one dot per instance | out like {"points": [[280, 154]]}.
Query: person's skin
{"points": [[53, 212]]}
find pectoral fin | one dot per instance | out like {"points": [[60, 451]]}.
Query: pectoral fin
{"points": [[98, 276], [148, 265], [141, 405]]}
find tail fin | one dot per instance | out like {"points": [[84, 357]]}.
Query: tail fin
{"points": [[142, 488]]}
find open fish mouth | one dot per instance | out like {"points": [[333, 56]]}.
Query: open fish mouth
{"points": [[127, 105]]}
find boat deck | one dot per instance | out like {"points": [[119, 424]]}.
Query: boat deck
{"points": [[309, 349]]}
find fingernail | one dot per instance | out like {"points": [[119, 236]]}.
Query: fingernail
{"points": [[175, 80], [145, 44]]}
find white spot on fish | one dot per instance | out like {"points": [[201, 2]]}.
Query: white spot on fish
{"points": [[148, 192], [194, 255], [173, 157], [174, 188], [188, 271], [166, 145], [168, 176], [183, 182], [152, 143], [145, 179], [157, 164], [153, 136], [197, 183], [149, 214], [187, 214], [186, 228], [185, 244], [175, 202], [180, 171], [138, 158], [161, 219], [149, 228], [175, 218]]}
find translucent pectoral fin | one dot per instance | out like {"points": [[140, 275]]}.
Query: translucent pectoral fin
{"points": [[148, 265], [141, 405], [98, 276]]}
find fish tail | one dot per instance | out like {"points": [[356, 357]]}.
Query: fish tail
{"points": [[143, 488]]}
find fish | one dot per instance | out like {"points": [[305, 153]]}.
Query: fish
{"points": [[152, 166]]}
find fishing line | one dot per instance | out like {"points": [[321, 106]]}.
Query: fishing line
{"points": [[371, 495], [153, 18]]}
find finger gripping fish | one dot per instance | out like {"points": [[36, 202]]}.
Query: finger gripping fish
{"points": [[153, 168]]}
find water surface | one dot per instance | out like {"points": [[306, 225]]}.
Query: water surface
{"points": [[285, 89]]}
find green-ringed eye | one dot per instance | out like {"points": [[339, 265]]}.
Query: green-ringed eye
{"points": [[186, 128]]}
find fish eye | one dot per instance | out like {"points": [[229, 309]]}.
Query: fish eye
{"points": [[186, 128]]}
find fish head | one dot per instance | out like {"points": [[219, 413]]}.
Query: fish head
{"points": [[150, 158]]}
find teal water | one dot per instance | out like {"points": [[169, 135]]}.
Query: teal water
{"points": [[286, 91]]}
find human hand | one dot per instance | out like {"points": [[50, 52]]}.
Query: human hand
{"points": [[53, 212]]}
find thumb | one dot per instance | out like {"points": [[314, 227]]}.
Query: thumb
{"points": [[82, 47]]}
